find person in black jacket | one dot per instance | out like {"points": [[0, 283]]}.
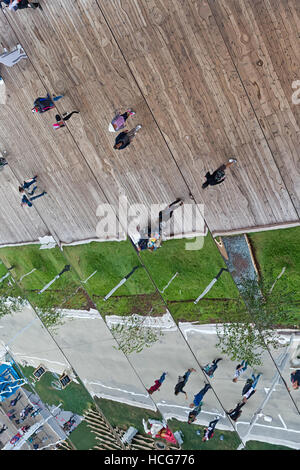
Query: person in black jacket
{"points": [[125, 138], [236, 412], [209, 431], [182, 380], [217, 176]]}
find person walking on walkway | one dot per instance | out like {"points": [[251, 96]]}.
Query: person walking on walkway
{"points": [[15, 400], [26, 185], [125, 138], [167, 213], [217, 176], [295, 379], [236, 412], [239, 370], [182, 380], [60, 121], [154, 239], [199, 397], [28, 201], [119, 120], [13, 57], [41, 105], [249, 388], [210, 369], [194, 413], [209, 431], [4, 427], [157, 384]]}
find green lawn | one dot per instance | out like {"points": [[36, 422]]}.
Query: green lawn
{"points": [[193, 441], [74, 397], [123, 416], [83, 438], [47, 264], [206, 311], [256, 445], [196, 269], [274, 250], [113, 261]]}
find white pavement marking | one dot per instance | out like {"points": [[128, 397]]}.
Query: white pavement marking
{"points": [[278, 277], [207, 289], [41, 359], [283, 423], [268, 427], [84, 282], [162, 291], [118, 389], [27, 274]]}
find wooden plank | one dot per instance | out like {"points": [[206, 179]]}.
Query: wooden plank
{"points": [[145, 172], [167, 60], [262, 37], [208, 107]]}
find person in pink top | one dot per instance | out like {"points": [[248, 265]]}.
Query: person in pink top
{"points": [[119, 120]]}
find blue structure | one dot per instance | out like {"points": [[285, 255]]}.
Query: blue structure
{"points": [[10, 381]]}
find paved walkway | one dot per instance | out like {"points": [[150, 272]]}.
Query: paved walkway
{"points": [[239, 260]]}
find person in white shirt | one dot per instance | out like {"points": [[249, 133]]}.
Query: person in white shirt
{"points": [[239, 370]]}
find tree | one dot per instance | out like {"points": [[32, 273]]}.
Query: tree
{"points": [[11, 298], [250, 325], [133, 335]]}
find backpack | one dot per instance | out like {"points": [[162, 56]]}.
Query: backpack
{"points": [[247, 386], [178, 385], [118, 123], [219, 175], [43, 104]]}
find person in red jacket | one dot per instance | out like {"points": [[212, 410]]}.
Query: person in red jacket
{"points": [[157, 384]]}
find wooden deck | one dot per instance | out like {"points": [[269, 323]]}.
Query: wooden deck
{"points": [[208, 80]]}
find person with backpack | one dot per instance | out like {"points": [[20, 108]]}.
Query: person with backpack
{"points": [[236, 412], [210, 369], [217, 176], [125, 138], [41, 105], [182, 380], [154, 239], [209, 431], [249, 388], [119, 120]]}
